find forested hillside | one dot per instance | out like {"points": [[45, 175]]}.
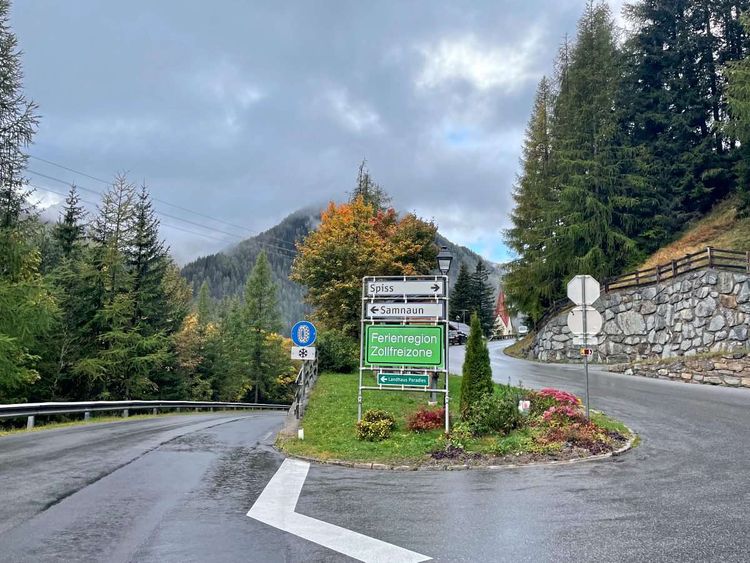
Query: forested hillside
{"points": [[94, 307], [632, 138], [225, 272]]}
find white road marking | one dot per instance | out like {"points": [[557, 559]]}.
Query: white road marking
{"points": [[275, 507]]}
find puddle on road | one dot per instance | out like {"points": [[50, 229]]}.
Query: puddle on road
{"points": [[235, 480]]}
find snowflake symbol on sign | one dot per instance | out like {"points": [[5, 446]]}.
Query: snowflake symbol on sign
{"points": [[303, 353]]}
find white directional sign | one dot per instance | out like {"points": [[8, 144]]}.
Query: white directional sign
{"points": [[583, 290], [592, 317], [410, 288], [303, 352], [406, 310]]}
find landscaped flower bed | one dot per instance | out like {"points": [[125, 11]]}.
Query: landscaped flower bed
{"points": [[403, 430], [553, 428]]}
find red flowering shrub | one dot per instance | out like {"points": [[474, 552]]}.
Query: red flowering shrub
{"points": [[426, 419], [560, 397], [543, 400], [585, 435], [562, 415]]}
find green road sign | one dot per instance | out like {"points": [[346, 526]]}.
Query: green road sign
{"points": [[403, 379], [419, 346]]}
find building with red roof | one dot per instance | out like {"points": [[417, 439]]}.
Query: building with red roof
{"points": [[503, 323]]}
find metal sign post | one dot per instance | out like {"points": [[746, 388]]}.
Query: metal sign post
{"points": [[583, 320], [585, 344], [404, 336]]}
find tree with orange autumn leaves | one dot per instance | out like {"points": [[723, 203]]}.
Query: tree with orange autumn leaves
{"points": [[355, 240]]}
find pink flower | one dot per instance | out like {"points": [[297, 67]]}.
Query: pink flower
{"points": [[561, 397]]}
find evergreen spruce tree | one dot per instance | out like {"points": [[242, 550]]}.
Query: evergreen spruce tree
{"points": [[461, 295], [261, 317], [476, 379], [482, 298], [204, 305], [370, 192], [130, 347], [18, 123], [69, 231], [673, 105], [112, 234], [738, 95], [596, 202], [148, 260], [529, 284], [68, 344], [26, 308]]}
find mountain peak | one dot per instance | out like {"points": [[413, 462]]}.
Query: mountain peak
{"points": [[226, 271]]}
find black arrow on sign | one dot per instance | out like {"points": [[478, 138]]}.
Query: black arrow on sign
{"points": [[374, 310], [435, 287]]}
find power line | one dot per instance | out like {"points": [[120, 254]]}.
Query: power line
{"points": [[291, 251], [185, 209], [281, 251]]}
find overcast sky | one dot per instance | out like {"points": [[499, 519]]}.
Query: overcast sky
{"points": [[248, 110]]}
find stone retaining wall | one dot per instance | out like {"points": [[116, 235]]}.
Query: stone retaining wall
{"points": [[698, 312], [730, 370]]}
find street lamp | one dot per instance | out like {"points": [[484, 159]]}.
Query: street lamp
{"points": [[444, 259]]}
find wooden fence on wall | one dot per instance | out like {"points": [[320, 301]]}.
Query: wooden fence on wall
{"points": [[731, 260]]}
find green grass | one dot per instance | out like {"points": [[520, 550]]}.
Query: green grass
{"points": [[520, 348], [329, 422], [330, 433], [609, 423]]}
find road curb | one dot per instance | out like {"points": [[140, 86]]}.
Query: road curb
{"points": [[463, 466]]}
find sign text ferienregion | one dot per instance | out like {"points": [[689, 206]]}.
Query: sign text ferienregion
{"points": [[419, 346]]}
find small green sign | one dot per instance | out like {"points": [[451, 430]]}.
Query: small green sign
{"points": [[403, 379], [420, 346]]}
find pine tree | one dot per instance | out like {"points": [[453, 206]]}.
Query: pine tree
{"points": [[27, 310], [112, 234], [476, 379], [596, 204], [204, 305], [528, 282], [482, 298], [18, 123], [461, 295], [370, 192], [148, 260], [69, 231], [673, 105], [129, 294], [738, 95], [70, 341], [27, 314], [261, 317]]}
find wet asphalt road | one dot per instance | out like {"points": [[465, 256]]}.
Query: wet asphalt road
{"points": [[178, 488]]}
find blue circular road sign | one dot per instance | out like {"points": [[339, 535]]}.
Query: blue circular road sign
{"points": [[304, 333]]}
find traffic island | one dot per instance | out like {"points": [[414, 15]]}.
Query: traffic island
{"points": [[547, 433]]}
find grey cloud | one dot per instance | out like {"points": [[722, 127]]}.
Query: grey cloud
{"points": [[249, 110]]}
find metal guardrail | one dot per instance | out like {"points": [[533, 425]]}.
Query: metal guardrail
{"points": [[306, 378], [32, 410]]}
